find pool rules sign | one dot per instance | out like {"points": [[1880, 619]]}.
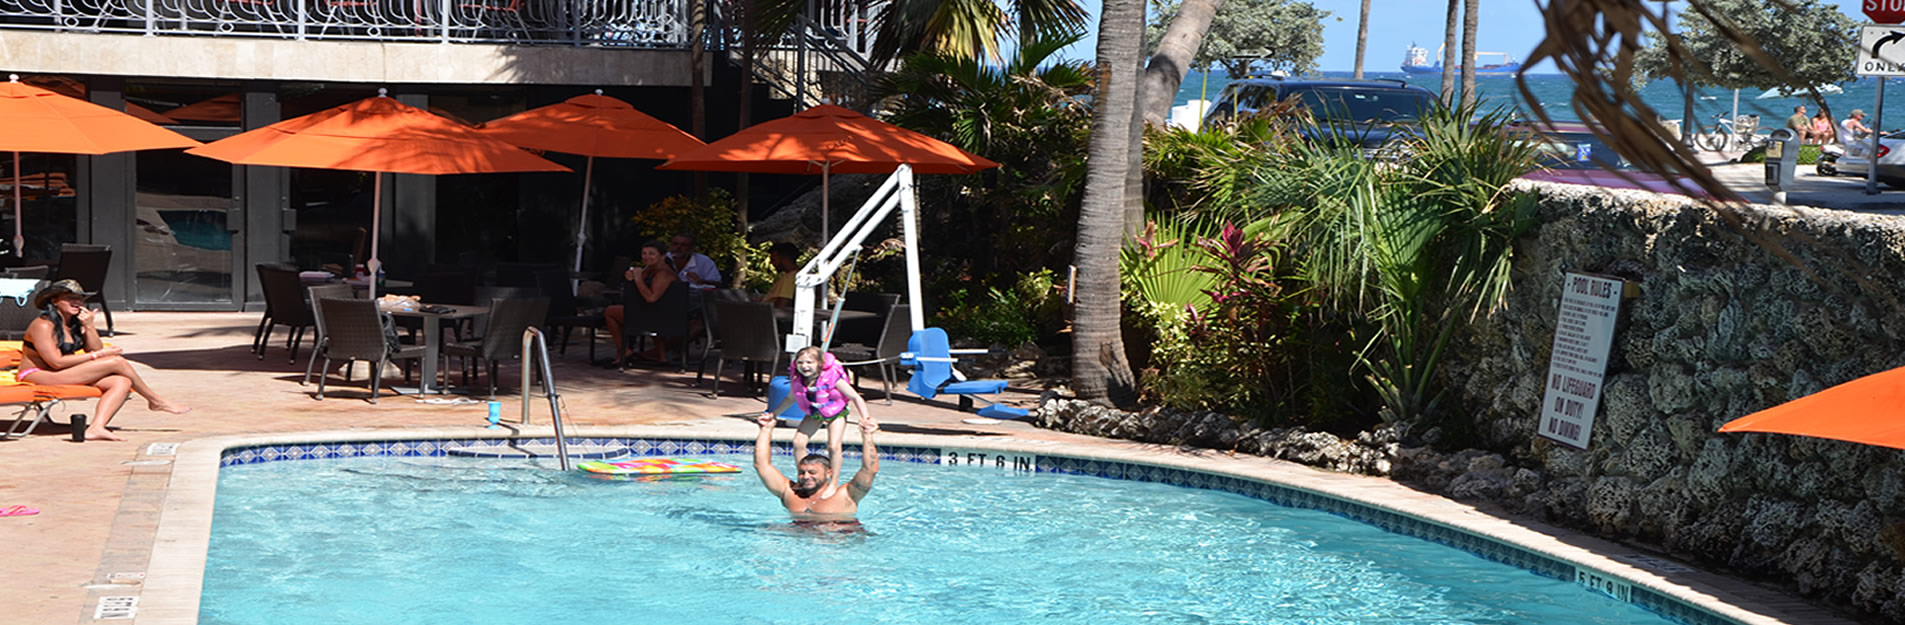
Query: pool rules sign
{"points": [[1583, 333]]}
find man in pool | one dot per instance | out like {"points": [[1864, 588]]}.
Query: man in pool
{"points": [[815, 495]]}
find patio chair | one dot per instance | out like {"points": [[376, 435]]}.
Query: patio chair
{"points": [[284, 306], [885, 353], [354, 330], [502, 337], [748, 333], [931, 356], [35, 272], [89, 264], [666, 318], [565, 313], [315, 293], [864, 331], [17, 312]]}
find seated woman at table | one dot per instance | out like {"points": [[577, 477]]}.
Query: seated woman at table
{"points": [[63, 347], [781, 255], [651, 279]]}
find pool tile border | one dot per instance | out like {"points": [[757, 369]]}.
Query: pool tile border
{"points": [[1667, 606]]}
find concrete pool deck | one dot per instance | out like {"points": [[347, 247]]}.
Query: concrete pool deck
{"points": [[102, 504]]}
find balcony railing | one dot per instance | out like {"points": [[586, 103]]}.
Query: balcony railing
{"points": [[630, 23]]}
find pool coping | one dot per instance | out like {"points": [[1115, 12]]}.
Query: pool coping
{"points": [[174, 570]]}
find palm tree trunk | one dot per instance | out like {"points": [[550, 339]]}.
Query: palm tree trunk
{"points": [[1470, 14], [1176, 51], [697, 88], [1100, 371], [1362, 38], [1448, 43], [1158, 89]]}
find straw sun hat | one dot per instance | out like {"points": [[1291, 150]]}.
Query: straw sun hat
{"points": [[56, 289]]}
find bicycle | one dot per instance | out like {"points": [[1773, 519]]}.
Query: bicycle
{"points": [[1741, 132]]}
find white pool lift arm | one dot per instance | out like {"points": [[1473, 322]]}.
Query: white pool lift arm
{"points": [[811, 280]]}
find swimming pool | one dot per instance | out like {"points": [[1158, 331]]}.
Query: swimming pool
{"points": [[410, 540]]}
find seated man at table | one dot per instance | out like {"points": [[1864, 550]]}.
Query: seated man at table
{"points": [[781, 255], [692, 267]]}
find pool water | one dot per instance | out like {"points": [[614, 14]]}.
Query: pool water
{"points": [[482, 541]]}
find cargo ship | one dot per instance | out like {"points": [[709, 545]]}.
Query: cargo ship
{"points": [[1416, 61]]}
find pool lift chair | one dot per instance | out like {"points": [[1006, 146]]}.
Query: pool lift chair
{"points": [[928, 351]]}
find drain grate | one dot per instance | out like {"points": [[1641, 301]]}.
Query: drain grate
{"points": [[110, 608]]}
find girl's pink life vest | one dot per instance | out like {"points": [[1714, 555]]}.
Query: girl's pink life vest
{"points": [[822, 397]]}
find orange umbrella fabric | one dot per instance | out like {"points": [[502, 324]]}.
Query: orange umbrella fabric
{"points": [[592, 125], [379, 135], [37, 120], [829, 139], [376, 134], [1866, 410]]}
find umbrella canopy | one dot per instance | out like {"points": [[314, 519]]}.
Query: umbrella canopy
{"points": [[826, 140], [1866, 410], [591, 125], [37, 120], [829, 139], [378, 135]]}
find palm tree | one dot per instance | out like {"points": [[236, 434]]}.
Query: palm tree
{"points": [[1470, 13], [1448, 43], [1100, 371], [968, 28], [1362, 38]]}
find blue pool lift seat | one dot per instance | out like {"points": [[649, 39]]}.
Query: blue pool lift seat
{"points": [[930, 355]]}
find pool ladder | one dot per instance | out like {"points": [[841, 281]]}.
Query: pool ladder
{"points": [[532, 337]]}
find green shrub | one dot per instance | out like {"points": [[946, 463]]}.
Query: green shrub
{"points": [[1808, 155], [991, 317], [711, 222]]}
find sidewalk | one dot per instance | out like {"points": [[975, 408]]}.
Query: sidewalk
{"points": [[1809, 189]]}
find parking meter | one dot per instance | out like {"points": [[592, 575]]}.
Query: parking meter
{"points": [[1782, 157]]}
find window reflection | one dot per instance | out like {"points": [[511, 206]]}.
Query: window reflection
{"points": [[182, 249]]}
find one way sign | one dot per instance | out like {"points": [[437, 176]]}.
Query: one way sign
{"points": [[1881, 51]]}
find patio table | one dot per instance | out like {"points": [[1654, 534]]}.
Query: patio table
{"points": [[785, 317], [432, 335]]}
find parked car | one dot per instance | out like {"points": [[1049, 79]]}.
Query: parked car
{"points": [[1571, 154], [1853, 161], [1367, 112]]}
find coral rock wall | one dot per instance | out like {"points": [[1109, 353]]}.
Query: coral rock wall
{"points": [[1739, 310]]}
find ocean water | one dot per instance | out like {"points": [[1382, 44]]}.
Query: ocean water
{"points": [[1553, 91]]}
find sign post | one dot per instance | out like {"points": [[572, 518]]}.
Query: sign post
{"points": [[1881, 54]]}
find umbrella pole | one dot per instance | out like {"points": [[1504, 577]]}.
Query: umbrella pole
{"points": [[19, 242], [582, 225], [376, 225], [826, 172]]}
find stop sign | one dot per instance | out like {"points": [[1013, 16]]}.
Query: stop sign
{"points": [[1885, 11]]}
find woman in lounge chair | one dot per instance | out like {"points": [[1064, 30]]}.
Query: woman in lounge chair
{"points": [[63, 347]]}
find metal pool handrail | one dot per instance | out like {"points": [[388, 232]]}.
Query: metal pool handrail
{"points": [[533, 336]]}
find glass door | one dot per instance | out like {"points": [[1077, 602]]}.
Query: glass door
{"points": [[185, 224]]}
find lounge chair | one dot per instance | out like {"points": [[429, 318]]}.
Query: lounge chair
{"points": [[36, 401], [930, 355]]}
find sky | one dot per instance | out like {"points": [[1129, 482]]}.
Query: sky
{"points": [[1510, 26]]}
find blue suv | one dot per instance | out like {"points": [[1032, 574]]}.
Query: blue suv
{"points": [[1363, 111]]}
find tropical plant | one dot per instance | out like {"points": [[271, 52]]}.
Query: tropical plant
{"points": [[969, 29], [709, 220], [1026, 114], [1810, 41], [1009, 316], [1247, 35], [1418, 247]]}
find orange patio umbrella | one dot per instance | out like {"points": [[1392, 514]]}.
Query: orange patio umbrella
{"points": [[378, 135], [829, 139], [1866, 410], [37, 120], [592, 125]]}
